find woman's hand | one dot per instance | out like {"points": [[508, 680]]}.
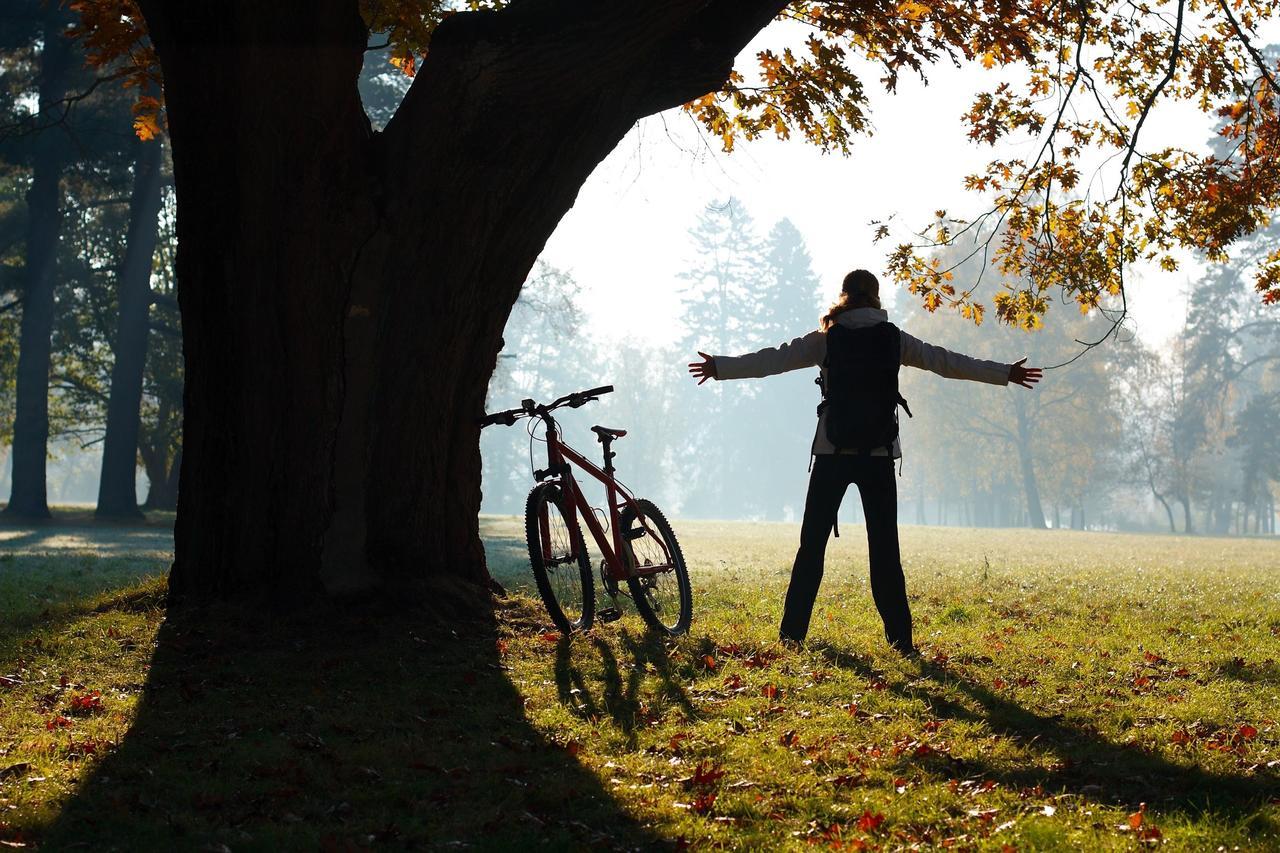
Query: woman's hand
{"points": [[705, 369], [1019, 375]]}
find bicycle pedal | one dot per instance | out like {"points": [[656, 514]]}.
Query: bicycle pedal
{"points": [[608, 614]]}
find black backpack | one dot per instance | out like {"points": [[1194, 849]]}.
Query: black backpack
{"points": [[861, 396]]}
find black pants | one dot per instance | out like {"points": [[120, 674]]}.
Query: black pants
{"points": [[874, 477]]}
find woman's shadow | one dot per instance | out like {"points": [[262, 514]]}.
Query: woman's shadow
{"points": [[1081, 759]]}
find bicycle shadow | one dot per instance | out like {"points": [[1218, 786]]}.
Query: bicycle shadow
{"points": [[1084, 761], [606, 693], [335, 730]]}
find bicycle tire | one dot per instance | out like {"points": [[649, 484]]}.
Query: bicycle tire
{"points": [[569, 568], [653, 597]]}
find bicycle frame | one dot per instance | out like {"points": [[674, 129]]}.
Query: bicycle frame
{"points": [[561, 457]]}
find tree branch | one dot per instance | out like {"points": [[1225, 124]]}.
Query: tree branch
{"points": [[634, 58], [1258, 58]]}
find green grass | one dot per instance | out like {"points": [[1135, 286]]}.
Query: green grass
{"points": [[1068, 680]]}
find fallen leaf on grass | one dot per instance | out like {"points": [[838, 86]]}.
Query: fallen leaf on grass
{"points": [[771, 692], [703, 803], [87, 703], [706, 775], [870, 822], [845, 780], [83, 748], [760, 660]]}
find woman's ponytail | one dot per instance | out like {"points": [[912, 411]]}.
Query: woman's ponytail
{"points": [[860, 289]]}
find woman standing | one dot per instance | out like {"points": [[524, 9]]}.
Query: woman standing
{"points": [[869, 466]]}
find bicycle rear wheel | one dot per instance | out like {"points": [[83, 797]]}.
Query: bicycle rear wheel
{"points": [[559, 559], [664, 599]]}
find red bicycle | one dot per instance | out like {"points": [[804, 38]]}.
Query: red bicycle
{"points": [[642, 551]]}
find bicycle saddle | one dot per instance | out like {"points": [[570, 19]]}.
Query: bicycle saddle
{"points": [[603, 433]]}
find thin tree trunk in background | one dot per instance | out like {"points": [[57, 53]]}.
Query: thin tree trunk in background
{"points": [[29, 495], [162, 481], [117, 488], [1031, 490]]}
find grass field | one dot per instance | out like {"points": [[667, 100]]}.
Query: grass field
{"points": [[1078, 691]]}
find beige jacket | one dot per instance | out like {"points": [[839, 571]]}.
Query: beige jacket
{"points": [[811, 351]]}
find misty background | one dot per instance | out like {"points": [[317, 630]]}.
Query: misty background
{"points": [[674, 247]]}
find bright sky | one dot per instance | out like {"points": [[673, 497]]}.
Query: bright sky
{"points": [[626, 239]]}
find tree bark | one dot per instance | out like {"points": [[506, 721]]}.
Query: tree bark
{"points": [[343, 292], [29, 495], [117, 489]]}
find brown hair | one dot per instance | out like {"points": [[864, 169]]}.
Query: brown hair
{"points": [[860, 289]]}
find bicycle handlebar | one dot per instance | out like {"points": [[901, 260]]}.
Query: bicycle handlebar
{"points": [[530, 408]]}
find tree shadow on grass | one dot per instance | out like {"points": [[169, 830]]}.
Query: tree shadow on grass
{"points": [[1083, 760], [356, 727], [618, 699]]}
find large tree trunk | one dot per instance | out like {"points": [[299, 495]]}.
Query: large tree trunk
{"points": [[343, 292], [117, 489], [29, 497]]}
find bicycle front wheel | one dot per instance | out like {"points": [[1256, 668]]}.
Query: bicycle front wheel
{"points": [[559, 559], [664, 598]]}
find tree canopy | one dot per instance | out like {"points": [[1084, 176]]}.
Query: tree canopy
{"points": [[1094, 197]]}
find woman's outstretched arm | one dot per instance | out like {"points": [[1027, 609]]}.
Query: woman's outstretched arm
{"points": [[954, 365], [807, 351]]}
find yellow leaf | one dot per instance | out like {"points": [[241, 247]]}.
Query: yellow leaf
{"points": [[406, 63], [147, 126]]}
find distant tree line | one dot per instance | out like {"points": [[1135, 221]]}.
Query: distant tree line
{"points": [[89, 335], [1127, 436]]}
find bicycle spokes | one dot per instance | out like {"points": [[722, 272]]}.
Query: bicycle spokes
{"points": [[560, 556]]}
